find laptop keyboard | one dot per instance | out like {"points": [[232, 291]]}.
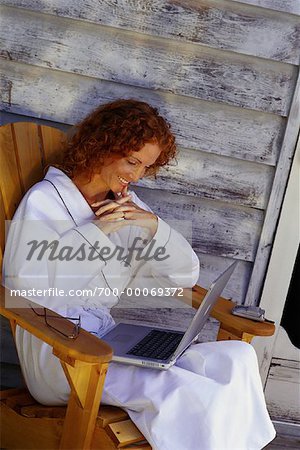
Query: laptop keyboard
{"points": [[157, 345]]}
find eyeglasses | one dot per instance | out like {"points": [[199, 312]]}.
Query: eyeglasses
{"points": [[47, 316]]}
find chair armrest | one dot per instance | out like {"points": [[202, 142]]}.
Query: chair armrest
{"points": [[85, 348], [222, 312]]}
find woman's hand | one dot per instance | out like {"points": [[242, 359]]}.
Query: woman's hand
{"points": [[115, 214], [138, 217], [110, 208], [108, 219]]}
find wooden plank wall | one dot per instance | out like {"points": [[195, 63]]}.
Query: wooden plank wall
{"points": [[223, 72], [283, 389]]}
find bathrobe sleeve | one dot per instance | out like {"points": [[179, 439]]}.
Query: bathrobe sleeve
{"points": [[167, 260], [46, 250]]}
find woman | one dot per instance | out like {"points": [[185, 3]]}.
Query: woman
{"points": [[80, 228]]}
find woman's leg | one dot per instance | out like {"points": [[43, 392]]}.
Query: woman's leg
{"points": [[212, 399]]}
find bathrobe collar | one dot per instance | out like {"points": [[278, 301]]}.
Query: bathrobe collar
{"points": [[76, 205]]}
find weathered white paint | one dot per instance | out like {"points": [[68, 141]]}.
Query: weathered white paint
{"points": [[283, 390], [275, 202], [200, 125], [209, 176], [146, 61], [215, 23], [215, 177], [281, 263], [283, 382], [284, 349], [289, 6], [217, 228], [212, 266]]}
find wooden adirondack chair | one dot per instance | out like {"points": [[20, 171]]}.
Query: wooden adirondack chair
{"points": [[25, 149]]}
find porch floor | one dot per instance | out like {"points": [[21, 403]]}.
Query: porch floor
{"points": [[288, 437]]}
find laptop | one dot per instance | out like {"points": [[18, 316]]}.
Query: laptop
{"points": [[159, 348]]}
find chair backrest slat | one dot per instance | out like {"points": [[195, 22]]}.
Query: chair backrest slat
{"points": [[28, 153], [25, 149], [10, 181], [2, 228], [52, 142]]}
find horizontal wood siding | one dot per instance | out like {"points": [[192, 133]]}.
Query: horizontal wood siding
{"points": [[283, 390], [214, 23], [289, 6], [210, 176], [217, 228], [210, 268], [143, 61], [200, 125]]}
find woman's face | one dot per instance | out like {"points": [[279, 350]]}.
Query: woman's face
{"points": [[116, 174]]}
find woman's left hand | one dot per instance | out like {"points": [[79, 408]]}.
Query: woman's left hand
{"points": [[138, 216]]}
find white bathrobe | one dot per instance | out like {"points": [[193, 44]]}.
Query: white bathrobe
{"points": [[211, 399]]}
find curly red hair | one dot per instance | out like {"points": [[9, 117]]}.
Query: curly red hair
{"points": [[117, 128]]}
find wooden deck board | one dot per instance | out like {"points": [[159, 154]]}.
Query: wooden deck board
{"points": [[288, 436], [284, 442]]}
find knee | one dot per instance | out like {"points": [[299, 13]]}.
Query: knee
{"points": [[246, 355], [241, 351]]}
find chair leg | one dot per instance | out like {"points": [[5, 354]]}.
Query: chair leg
{"points": [[86, 381]]}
